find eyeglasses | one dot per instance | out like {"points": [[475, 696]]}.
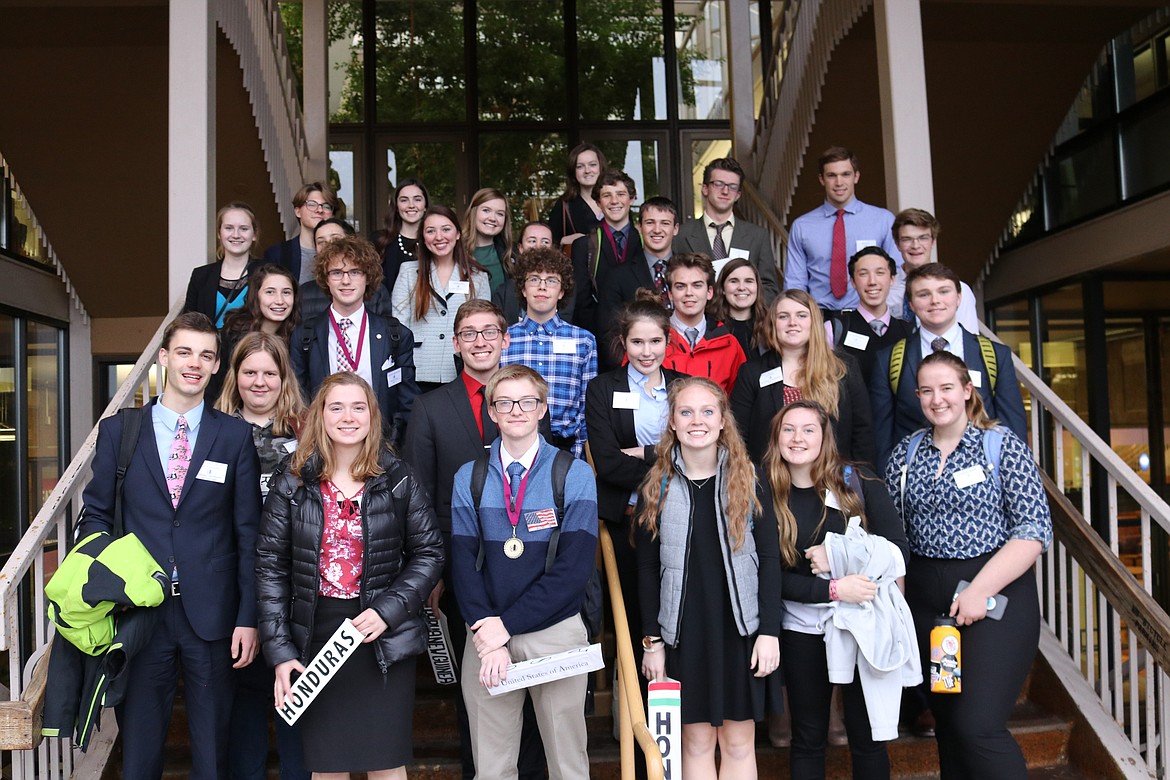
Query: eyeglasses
{"points": [[469, 336], [505, 405], [551, 282], [723, 185], [912, 240], [337, 274], [313, 205]]}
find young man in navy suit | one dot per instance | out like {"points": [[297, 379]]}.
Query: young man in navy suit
{"points": [[312, 203], [934, 295], [193, 499], [348, 337], [610, 245]]}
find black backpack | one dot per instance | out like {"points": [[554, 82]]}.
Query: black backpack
{"points": [[591, 611]]}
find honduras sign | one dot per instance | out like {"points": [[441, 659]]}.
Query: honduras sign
{"points": [[320, 671]]}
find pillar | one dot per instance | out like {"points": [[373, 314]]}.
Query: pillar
{"points": [[316, 88]]}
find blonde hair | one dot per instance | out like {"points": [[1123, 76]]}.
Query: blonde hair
{"points": [[742, 503], [823, 370], [235, 205], [828, 473], [976, 411], [315, 441], [289, 408]]}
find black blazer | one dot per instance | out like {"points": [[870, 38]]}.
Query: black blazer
{"points": [[610, 431], [581, 218], [210, 537], [391, 348], [586, 285], [204, 286], [850, 320], [615, 290], [286, 254], [692, 237], [755, 406]]}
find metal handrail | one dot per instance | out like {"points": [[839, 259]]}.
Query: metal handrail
{"points": [[631, 713]]}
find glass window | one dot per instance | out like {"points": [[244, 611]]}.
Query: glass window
{"points": [[520, 53], [419, 60], [620, 59], [10, 524], [1063, 363], [702, 152], [1145, 77], [1143, 144], [434, 164], [342, 177], [44, 413], [639, 158], [347, 71], [701, 45], [1082, 181], [527, 167]]}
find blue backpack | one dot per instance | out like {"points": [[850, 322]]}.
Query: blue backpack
{"points": [[992, 451]]}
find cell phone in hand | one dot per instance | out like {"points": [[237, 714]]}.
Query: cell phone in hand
{"points": [[995, 604]]}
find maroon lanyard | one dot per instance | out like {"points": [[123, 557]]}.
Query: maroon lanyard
{"points": [[354, 360]]}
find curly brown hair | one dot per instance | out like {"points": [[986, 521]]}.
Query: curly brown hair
{"points": [[356, 250], [547, 260]]}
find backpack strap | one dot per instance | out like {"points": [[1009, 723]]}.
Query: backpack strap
{"points": [[478, 478], [853, 480], [560, 472], [993, 450], [131, 425], [838, 330], [987, 350], [897, 357], [911, 448], [595, 256]]}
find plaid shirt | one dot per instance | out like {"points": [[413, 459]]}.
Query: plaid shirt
{"points": [[567, 373]]}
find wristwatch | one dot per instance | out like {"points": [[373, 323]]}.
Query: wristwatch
{"points": [[648, 642]]}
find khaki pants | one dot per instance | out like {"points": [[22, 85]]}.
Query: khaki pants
{"points": [[560, 709]]}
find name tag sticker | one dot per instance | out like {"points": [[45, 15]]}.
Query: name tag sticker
{"points": [[969, 476], [718, 265], [290, 446], [541, 519], [564, 346], [772, 377], [212, 471], [976, 377], [394, 377], [626, 400], [856, 340], [735, 254], [461, 286], [862, 243], [831, 501], [389, 364]]}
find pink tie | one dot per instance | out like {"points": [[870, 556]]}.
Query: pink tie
{"points": [[344, 345], [178, 462]]}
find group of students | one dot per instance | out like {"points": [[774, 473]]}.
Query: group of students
{"points": [[763, 471]]}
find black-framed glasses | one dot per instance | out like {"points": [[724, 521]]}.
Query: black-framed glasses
{"points": [[469, 335], [724, 185], [505, 405]]}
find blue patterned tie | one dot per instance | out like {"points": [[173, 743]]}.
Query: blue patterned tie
{"points": [[515, 474], [907, 312]]}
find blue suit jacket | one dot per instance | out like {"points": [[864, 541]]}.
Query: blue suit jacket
{"points": [[387, 354], [895, 418], [210, 537]]}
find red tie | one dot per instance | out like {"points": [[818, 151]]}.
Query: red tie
{"points": [[838, 281]]}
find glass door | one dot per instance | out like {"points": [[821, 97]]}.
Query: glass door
{"points": [[440, 162]]}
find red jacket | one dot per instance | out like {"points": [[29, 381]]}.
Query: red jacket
{"points": [[717, 356]]}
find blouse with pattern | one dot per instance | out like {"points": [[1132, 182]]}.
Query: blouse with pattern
{"points": [[944, 520], [340, 563]]}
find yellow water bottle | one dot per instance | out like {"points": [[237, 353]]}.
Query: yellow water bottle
{"points": [[945, 657]]}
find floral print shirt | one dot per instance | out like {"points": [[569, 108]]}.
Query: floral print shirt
{"points": [[340, 563]]}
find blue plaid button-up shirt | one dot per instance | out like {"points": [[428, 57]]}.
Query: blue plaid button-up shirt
{"points": [[566, 356]]}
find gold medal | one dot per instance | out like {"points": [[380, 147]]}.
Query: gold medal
{"points": [[513, 548]]}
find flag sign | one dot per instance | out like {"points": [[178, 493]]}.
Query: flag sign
{"points": [[320, 671], [664, 713]]}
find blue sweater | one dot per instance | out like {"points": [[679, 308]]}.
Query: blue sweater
{"points": [[518, 590]]}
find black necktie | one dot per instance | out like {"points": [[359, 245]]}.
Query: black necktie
{"points": [[619, 241]]}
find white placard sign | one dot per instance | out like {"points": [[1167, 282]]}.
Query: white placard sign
{"points": [[320, 671], [439, 650], [537, 671], [664, 713]]}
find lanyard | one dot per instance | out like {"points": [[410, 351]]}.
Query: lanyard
{"points": [[513, 510], [354, 360], [613, 244]]}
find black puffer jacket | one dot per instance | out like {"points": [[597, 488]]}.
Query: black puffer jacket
{"points": [[402, 559]]}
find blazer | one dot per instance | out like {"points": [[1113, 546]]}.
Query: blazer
{"points": [[210, 537], [204, 286], [610, 431], [586, 285], [897, 417], [391, 349], [755, 406], [849, 321], [692, 237], [286, 254], [434, 354], [312, 302], [614, 291]]}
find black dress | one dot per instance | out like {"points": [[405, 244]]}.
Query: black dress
{"points": [[397, 251], [711, 659], [581, 218]]}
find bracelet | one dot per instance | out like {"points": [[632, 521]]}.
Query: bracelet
{"points": [[833, 591], [655, 649]]}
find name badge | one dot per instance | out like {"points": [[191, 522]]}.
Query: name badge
{"points": [[290, 446], [394, 377], [265, 484], [772, 377], [626, 400], [831, 501], [564, 346], [461, 286], [717, 265], [862, 243], [389, 364], [856, 340], [735, 254], [212, 471], [967, 477], [541, 519], [976, 377]]}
